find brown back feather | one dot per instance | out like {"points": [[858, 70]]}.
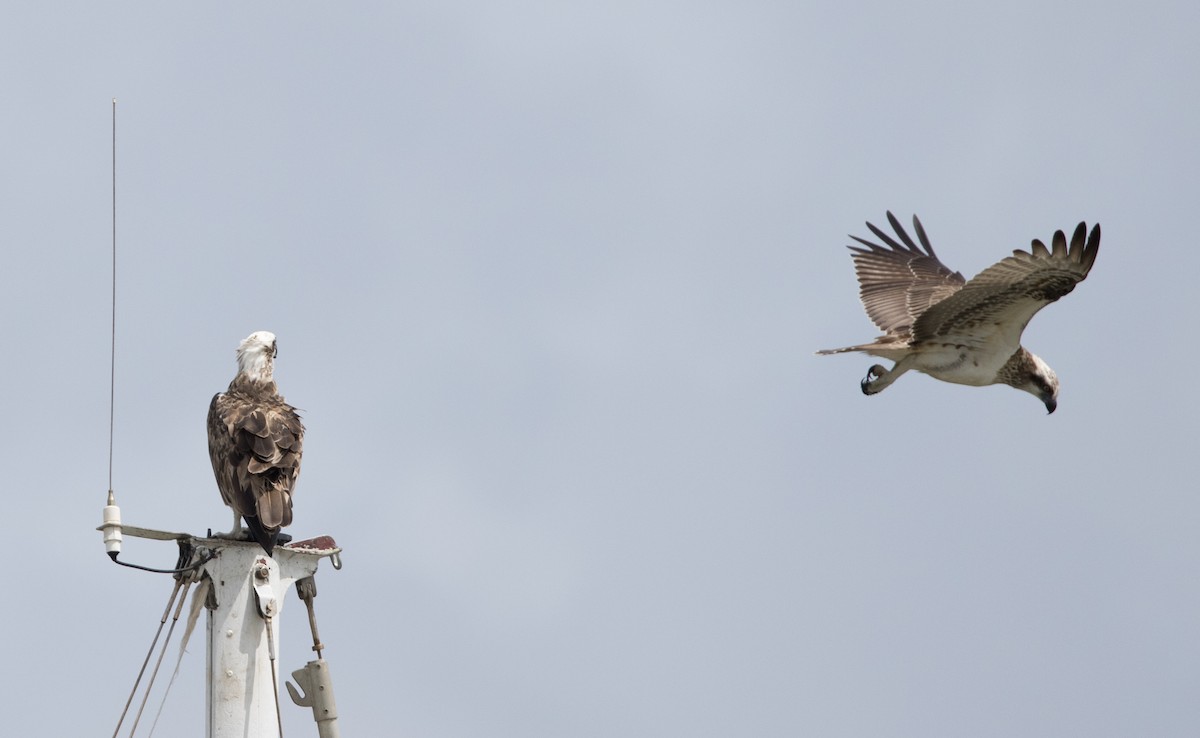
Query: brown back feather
{"points": [[255, 443]]}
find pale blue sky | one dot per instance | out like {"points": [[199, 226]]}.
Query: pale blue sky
{"points": [[547, 279]]}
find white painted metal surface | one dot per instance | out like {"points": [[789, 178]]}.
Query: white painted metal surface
{"points": [[316, 691], [241, 690]]}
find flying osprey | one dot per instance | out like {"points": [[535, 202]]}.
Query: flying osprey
{"points": [[966, 332], [255, 440]]}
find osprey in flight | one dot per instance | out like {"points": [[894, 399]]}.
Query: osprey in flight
{"points": [[255, 440], [955, 330]]}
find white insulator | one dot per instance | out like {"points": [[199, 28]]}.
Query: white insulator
{"points": [[112, 529]]}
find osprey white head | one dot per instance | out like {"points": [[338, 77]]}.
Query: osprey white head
{"points": [[1043, 383], [256, 356]]}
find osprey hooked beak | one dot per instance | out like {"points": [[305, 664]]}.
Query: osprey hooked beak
{"points": [[1043, 384]]}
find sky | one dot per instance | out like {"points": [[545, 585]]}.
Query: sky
{"points": [[547, 281]]}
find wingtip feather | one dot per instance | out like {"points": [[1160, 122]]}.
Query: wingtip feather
{"points": [[1092, 248], [924, 239], [1060, 245]]}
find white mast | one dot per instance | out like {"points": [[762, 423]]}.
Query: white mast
{"points": [[243, 633], [245, 591]]}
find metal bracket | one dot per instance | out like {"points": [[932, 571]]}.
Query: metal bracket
{"points": [[266, 573], [317, 693]]}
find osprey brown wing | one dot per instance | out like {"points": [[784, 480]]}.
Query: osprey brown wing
{"points": [[1004, 297], [900, 281]]}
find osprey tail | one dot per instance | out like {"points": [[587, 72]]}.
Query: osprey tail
{"points": [[266, 538], [889, 347], [848, 349]]}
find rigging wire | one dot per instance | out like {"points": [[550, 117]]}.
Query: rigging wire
{"points": [[182, 582], [154, 674], [149, 653], [274, 673], [199, 602]]}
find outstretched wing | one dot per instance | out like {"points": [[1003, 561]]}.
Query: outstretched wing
{"points": [[255, 447], [900, 282], [995, 306]]}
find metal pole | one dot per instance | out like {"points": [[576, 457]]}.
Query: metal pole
{"points": [[242, 692]]}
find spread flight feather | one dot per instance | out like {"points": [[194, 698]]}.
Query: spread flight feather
{"points": [[255, 441]]}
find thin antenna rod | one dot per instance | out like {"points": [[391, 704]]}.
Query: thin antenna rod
{"points": [[112, 367]]}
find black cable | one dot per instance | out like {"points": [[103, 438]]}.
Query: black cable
{"points": [[182, 570], [186, 549]]}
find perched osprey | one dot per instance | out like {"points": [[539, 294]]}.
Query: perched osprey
{"points": [[966, 332], [255, 440]]}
